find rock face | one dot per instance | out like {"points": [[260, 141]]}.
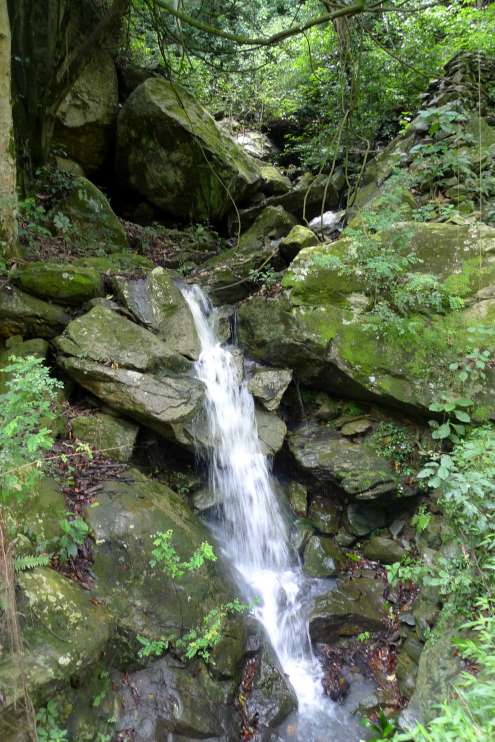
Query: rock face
{"points": [[63, 284], [131, 370], [352, 607], [354, 468], [272, 698], [142, 599], [112, 435], [22, 314], [323, 325], [157, 303], [231, 275], [322, 558], [86, 118], [64, 634], [268, 385], [92, 218], [171, 151]]}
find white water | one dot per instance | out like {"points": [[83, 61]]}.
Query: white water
{"points": [[254, 532]]}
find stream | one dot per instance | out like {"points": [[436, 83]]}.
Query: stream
{"points": [[254, 534]]}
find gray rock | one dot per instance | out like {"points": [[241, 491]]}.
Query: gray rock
{"points": [[268, 385], [22, 314], [322, 557]]}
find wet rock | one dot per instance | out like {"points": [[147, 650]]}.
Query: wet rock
{"points": [[171, 151], [324, 515], [142, 599], [294, 242], [362, 518], [22, 314], [86, 118], [406, 671], [59, 282], [158, 304], [272, 698], [354, 606], [169, 700], [298, 498], [268, 385], [355, 427], [439, 667], [132, 371], [92, 218], [323, 558], [383, 550], [229, 275], [353, 467], [271, 431], [113, 436], [64, 635]]}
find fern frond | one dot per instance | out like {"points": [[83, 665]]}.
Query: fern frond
{"points": [[31, 561]]}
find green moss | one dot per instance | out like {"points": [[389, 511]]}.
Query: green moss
{"points": [[61, 283]]}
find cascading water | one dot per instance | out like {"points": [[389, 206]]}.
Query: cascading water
{"points": [[254, 531]]}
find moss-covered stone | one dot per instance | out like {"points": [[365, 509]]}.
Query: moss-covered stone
{"points": [[117, 262], [39, 515], [298, 238], [22, 314], [327, 313], [113, 436], [383, 550], [62, 283], [16, 346], [324, 515], [132, 371], [322, 557], [352, 607], [64, 634], [297, 494], [86, 118], [92, 219], [143, 599], [171, 151], [158, 304], [355, 468], [273, 181]]}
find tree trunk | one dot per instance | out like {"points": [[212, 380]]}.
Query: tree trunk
{"points": [[8, 195]]}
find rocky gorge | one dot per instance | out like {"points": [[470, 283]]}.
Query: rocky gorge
{"points": [[342, 406]]}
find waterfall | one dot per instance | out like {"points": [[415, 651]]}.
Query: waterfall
{"points": [[254, 531]]}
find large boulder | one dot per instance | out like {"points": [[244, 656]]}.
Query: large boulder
{"points": [[64, 634], [111, 435], [171, 151], [268, 385], [353, 606], [132, 371], [94, 223], [323, 329], [142, 599], [231, 275], [86, 118], [22, 314], [62, 283], [158, 304], [354, 468]]}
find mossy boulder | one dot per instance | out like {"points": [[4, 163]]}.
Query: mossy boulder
{"points": [[158, 304], [323, 558], [271, 431], [171, 151], [352, 607], [64, 633], [85, 121], [324, 515], [273, 181], [16, 346], [92, 219], [117, 262], [23, 314], [38, 515], [62, 283], [132, 371], [229, 276], [439, 667], [143, 599], [324, 323], [298, 238], [113, 436], [384, 550], [354, 468], [177, 702], [297, 494]]}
